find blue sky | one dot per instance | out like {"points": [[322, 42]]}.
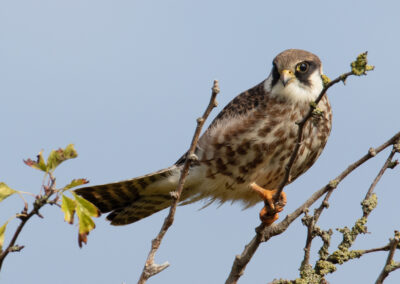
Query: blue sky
{"points": [[125, 80]]}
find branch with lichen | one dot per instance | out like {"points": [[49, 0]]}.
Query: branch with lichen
{"points": [[263, 234], [327, 262], [369, 203], [390, 264], [150, 268]]}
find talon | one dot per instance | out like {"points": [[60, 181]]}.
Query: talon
{"points": [[266, 218], [269, 214], [265, 194], [281, 203]]}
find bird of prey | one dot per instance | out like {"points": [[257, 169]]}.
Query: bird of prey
{"points": [[243, 153]]}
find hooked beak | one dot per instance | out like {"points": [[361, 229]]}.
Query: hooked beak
{"points": [[286, 77]]}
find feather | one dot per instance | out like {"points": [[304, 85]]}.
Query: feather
{"points": [[134, 199]]}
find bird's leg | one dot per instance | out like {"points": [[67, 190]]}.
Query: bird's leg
{"points": [[269, 214]]}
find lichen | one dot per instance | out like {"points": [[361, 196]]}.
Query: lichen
{"points": [[317, 112], [281, 281], [343, 254], [326, 238], [307, 219], [359, 228], [324, 267], [393, 265], [360, 65], [349, 236], [313, 104], [396, 146], [339, 256], [325, 80], [369, 204], [333, 183], [308, 276]]}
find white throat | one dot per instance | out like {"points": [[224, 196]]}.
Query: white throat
{"points": [[295, 90]]}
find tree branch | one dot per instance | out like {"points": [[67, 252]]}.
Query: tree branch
{"points": [[263, 233], [367, 204], [150, 268], [311, 227], [390, 264], [384, 248], [40, 201], [388, 163]]}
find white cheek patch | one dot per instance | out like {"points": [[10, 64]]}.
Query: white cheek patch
{"points": [[297, 91]]}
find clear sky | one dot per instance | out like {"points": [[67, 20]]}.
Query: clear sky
{"points": [[125, 80]]}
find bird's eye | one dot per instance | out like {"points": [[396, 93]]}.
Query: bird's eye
{"points": [[302, 67]]}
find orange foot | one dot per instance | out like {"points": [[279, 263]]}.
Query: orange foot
{"points": [[269, 214]]}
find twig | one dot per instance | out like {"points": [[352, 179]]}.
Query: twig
{"points": [[390, 265], [301, 125], [387, 164], [384, 248], [25, 216], [263, 233], [150, 268], [324, 204], [311, 226]]}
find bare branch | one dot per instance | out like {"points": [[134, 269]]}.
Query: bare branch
{"points": [[381, 172], [150, 268], [263, 233], [384, 248]]}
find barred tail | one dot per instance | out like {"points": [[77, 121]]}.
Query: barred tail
{"points": [[134, 199]]}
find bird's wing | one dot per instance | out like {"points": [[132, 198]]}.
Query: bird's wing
{"points": [[243, 104]]}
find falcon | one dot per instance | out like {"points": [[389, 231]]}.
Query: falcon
{"points": [[243, 153]]}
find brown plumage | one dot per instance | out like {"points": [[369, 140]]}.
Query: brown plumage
{"points": [[250, 140]]}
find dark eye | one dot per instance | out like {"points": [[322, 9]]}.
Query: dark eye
{"points": [[302, 67]]}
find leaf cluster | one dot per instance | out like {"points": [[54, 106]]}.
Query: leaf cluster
{"points": [[85, 211]]}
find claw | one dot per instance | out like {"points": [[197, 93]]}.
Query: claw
{"points": [[269, 214]]}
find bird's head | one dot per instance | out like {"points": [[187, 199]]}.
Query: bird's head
{"points": [[296, 75]]}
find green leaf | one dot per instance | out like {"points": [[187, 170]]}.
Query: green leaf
{"points": [[2, 234], [39, 164], [87, 206], [56, 157], [68, 206], [75, 183], [86, 224], [85, 210], [5, 191]]}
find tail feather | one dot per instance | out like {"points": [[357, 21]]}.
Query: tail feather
{"points": [[134, 199]]}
